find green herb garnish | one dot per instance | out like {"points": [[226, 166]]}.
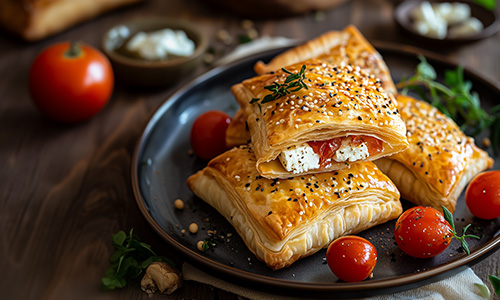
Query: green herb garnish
{"points": [[293, 83], [488, 4], [129, 260], [455, 99], [495, 281], [212, 240], [449, 217], [244, 38]]}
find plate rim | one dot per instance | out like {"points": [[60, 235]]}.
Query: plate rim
{"points": [[248, 279]]}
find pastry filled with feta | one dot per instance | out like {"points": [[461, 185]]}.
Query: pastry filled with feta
{"points": [[283, 220], [440, 160], [338, 116], [338, 47]]}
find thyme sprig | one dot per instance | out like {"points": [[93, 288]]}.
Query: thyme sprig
{"points": [[455, 99], [294, 82], [449, 217]]}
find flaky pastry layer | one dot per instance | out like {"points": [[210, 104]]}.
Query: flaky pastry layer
{"points": [[342, 48], [282, 220], [440, 161], [337, 103]]}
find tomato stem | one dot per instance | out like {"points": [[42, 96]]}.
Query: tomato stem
{"points": [[74, 50]]}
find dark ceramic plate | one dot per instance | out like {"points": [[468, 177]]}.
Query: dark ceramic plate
{"points": [[161, 165], [489, 19]]}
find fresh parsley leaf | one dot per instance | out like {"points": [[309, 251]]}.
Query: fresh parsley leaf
{"points": [[130, 260]]}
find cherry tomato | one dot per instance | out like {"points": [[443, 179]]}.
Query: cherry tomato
{"points": [[483, 195], [422, 232], [70, 82], [351, 258], [208, 134]]}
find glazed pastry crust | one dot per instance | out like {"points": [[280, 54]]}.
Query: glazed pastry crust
{"points": [[237, 132], [283, 220], [339, 102], [440, 161], [340, 48]]}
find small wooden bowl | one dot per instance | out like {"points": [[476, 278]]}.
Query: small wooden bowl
{"points": [[140, 72], [487, 17]]}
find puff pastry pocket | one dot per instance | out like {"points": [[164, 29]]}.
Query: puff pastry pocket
{"points": [[346, 47], [440, 161], [283, 220], [340, 48], [343, 116]]}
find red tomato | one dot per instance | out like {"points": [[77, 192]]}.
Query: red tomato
{"points": [[70, 84], [208, 134], [483, 195], [351, 258], [422, 232]]}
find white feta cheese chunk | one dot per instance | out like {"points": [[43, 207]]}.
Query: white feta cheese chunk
{"points": [[160, 44], [460, 12], [423, 12], [349, 153], [467, 28], [299, 159], [427, 22], [443, 9]]}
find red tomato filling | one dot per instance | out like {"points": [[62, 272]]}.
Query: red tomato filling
{"points": [[374, 145], [326, 149]]}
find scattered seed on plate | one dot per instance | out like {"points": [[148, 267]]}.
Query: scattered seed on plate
{"points": [[200, 245], [179, 204], [193, 228]]}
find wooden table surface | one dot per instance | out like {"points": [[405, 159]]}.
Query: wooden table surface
{"points": [[64, 190]]}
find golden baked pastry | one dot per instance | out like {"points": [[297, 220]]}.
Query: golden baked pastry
{"points": [[440, 161], [237, 132], [282, 220], [37, 19], [341, 48], [343, 116]]}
